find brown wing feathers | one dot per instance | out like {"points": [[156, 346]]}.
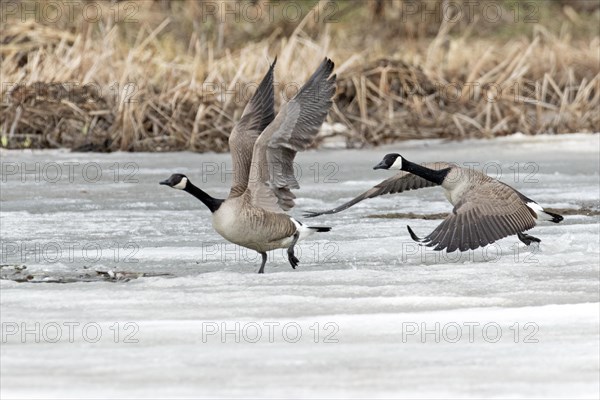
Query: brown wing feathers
{"points": [[398, 183], [486, 214], [293, 129], [260, 110], [257, 115], [303, 116]]}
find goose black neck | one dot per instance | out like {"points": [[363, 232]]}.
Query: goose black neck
{"points": [[209, 201], [431, 175]]}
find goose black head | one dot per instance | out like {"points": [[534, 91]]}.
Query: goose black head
{"points": [[390, 161], [176, 181]]}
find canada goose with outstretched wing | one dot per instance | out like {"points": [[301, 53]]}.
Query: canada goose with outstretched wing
{"points": [[396, 184], [263, 147], [485, 209]]}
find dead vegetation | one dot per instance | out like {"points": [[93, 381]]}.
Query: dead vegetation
{"points": [[178, 80]]}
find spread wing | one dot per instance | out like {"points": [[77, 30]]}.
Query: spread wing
{"points": [[292, 130], [487, 212], [398, 183], [257, 115]]}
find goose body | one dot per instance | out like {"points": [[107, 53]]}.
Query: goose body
{"points": [[263, 147], [485, 209], [238, 221]]}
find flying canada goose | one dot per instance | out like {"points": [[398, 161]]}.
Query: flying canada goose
{"points": [[485, 209], [263, 147]]}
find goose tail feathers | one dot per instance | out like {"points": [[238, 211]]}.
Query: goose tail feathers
{"points": [[320, 228], [555, 217]]}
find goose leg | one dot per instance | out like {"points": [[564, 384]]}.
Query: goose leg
{"points": [[264, 261], [527, 239], [291, 257]]}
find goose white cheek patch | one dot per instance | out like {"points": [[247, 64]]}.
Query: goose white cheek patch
{"points": [[181, 184], [397, 164]]}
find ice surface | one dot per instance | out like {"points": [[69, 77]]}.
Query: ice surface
{"points": [[365, 288]]}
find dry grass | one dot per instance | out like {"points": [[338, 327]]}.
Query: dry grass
{"points": [[171, 83]]}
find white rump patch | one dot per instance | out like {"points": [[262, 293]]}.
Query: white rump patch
{"points": [[304, 230], [297, 223], [539, 211], [182, 183]]}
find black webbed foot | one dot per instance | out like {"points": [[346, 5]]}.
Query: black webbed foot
{"points": [[527, 239], [291, 257], [293, 260]]}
